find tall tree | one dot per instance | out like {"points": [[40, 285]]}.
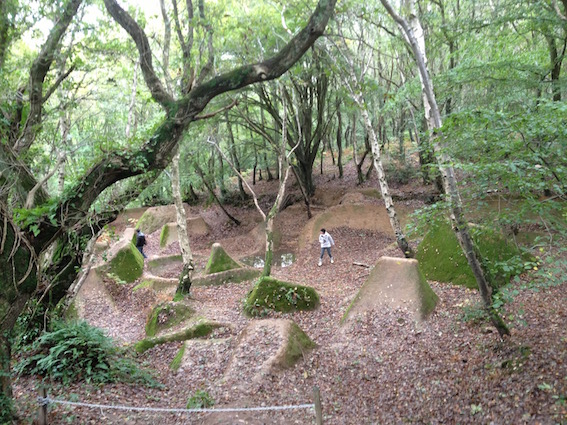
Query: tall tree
{"points": [[413, 32]]}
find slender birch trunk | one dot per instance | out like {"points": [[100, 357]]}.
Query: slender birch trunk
{"points": [[185, 278], [413, 33]]}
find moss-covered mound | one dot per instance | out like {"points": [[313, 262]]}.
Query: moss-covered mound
{"points": [[272, 294], [220, 261], [441, 257], [127, 264], [394, 283], [297, 344], [166, 316], [198, 329], [158, 284]]}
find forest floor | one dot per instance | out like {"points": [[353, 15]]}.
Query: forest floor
{"points": [[383, 368]]}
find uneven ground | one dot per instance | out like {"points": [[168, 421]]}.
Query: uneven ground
{"points": [[383, 368]]}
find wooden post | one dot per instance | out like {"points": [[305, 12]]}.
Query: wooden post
{"points": [[43, 407], [317, 402]]}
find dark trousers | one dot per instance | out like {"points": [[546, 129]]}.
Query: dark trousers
{"points": [[141, 249]]}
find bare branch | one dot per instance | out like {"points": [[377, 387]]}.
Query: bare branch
{"points": [[218, 111], [57, 83]]}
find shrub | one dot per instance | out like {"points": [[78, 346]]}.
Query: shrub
{"points": [[77, 351], [200, 400]]}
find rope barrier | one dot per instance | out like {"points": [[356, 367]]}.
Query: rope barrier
{"points": [[44, 401]]}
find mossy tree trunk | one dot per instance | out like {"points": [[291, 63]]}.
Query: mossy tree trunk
{"points": [[413, 32], [185, 278], [272, 215], [234, 156]]}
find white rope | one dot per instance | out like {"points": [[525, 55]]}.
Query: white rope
{"points": [[46, 400]]}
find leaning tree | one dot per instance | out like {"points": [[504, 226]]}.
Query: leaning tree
{"points": [[67, 222]]}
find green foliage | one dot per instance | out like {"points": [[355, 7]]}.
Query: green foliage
{"points": [[77, 351], [30, 219], [400, 173], [29, 324], [272, 294], [200, 400], [6, 409]]}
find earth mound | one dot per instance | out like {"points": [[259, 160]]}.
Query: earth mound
{"points": [[394, 283]]}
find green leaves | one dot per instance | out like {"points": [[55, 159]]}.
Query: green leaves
{"points": [[77, 351]]}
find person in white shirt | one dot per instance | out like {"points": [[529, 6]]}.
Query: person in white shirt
{"points": [[326, 242]]}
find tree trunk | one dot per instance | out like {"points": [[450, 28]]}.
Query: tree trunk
{"points": [[384, 188], [234, 156], [414, 36], [339, 140], [185, 278], [213, 194], [303, 193]]}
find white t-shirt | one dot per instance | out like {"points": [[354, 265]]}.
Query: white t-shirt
{"points": [[326, 240]]}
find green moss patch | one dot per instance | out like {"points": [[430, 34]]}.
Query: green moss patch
{"points": [[272, 294], [167, 315], [176, 362], [220, 261], [199, 329], [441, 257], [298, 343], [158, 265], [163, 236], [127, 264]]}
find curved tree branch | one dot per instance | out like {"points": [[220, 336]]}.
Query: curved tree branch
{"points": [[38, 72], [159, 94]]}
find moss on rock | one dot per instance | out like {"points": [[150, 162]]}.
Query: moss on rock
{"points": [[298, 343], [158, 266], [198, 329], [272, 294], [167, 315], [442, 259], [176, 362], [220, 261], [127, 264], [232, 276], [164, 235]]}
